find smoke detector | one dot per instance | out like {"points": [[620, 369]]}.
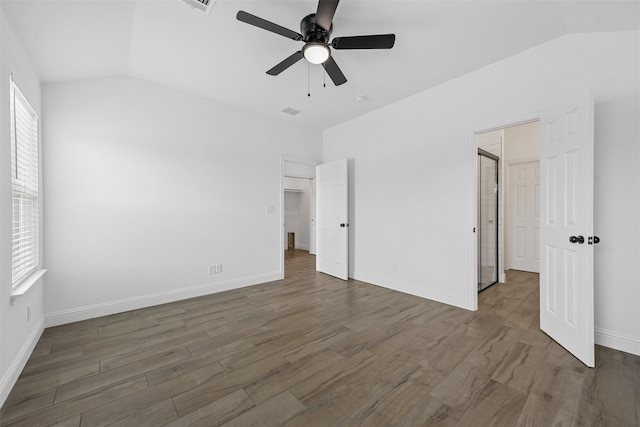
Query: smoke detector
{"points": [[202, 5]]}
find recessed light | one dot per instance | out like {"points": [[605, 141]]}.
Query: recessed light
{"points": [[360, 98]]}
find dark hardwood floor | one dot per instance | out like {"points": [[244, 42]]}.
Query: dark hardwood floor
{"points": [[311, 350]]}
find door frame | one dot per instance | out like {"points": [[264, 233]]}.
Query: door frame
{"points": [[472, 155], [292, 159], [484, 153]]}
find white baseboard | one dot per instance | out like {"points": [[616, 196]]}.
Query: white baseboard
{"points": [[113, 307], [414, 289], [617, 341], [302, 247], [11, 376]]}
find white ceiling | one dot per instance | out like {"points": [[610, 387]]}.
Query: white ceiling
{"points": [[216, 56]]}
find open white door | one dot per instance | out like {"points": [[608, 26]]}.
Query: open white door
{"points": [[566, 228], [332, 244]]}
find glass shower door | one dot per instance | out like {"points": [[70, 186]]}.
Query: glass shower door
{"points": [[487, 219]]}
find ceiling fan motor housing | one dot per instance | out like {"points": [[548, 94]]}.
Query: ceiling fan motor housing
{"points": [[313, 33]]}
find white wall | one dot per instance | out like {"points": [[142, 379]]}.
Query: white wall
{"points": [[410, 173], [17, 335], [491, 141], [150, 186], [522, 142], [297, 169], [617, 222]]}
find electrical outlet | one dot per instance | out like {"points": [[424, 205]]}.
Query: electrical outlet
{"points": [[212, 269], [218, 268]]}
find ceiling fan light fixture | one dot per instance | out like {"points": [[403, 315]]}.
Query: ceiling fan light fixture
{"points": [[316, 53]]}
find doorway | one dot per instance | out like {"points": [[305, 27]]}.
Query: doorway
{"points": [[299, 213], [328, 219], [516, 150], [566, 309], [298, 209]]}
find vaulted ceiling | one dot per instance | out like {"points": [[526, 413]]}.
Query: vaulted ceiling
{"points": [[216, 56]]}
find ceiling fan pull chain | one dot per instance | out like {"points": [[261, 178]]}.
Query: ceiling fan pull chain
{"points": [[308, 80], [324, 77]]}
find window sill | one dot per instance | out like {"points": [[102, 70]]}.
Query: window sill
{"points": [[24, 287]]}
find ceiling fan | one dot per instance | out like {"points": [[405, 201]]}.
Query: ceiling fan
{"points": [[316, 29]]}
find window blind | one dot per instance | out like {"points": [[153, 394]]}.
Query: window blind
{"points": [[24, 185]]}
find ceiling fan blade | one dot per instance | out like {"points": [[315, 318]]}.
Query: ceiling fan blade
{"points": [[297, 56], [334, 71], [266, 25], [324, 15], [379, 41]]}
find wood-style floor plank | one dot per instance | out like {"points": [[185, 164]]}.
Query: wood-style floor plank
{"points": [[313, 350]]}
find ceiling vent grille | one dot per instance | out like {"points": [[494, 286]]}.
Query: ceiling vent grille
{"points": [[203, 5], [290, 111]]}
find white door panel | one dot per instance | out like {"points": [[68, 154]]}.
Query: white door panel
{"points": [[524, 216], [566, 280], [332, 219]]}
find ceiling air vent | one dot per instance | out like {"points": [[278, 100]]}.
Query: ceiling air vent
{"points": [[290, 111], [203, 5]]}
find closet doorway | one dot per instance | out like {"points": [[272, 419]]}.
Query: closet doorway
{"points": [[298, 209], [299, 214]]}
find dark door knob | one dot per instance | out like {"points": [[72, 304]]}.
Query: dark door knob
{"points": [[576, 239], [344, 225]]}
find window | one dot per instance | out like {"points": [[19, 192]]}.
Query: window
{"points": [[25, 246]]}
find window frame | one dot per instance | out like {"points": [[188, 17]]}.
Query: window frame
{"points": [[25, 189]]}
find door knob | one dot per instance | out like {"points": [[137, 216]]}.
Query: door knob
{"points": [[344, 225], [576, 239]]}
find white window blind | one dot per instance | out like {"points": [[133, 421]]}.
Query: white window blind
{"points": [[24, 186]]}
